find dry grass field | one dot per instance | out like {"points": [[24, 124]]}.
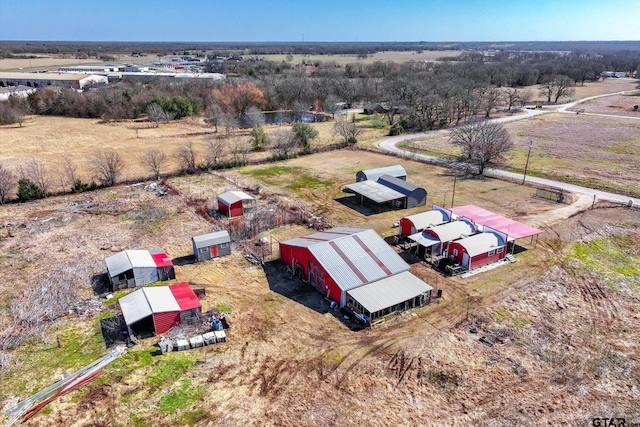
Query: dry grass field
{"points": [[42, 62], [563, 318], [394, 56], [592, 151], [621, 105], [51, 139]]}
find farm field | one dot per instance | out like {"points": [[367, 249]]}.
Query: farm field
{"points": [[51, 139], [593, 151], [621, 105], [563, 318], [394, 56], [42, 62]]}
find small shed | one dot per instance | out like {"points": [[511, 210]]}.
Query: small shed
{"points": [[233, 203], [479, 250], [415, 196], [155, 310], [395, 171], [212, 245], [131, 268]]}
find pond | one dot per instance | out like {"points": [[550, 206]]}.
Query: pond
{"points": [[287, 117]]}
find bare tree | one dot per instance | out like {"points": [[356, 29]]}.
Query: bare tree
{"points": [[214, 115], [8, 184], [346, 128], [37, 172], [216, 151], [283, 142], [229, 122], [188, 156], [491, 99], [66, 172], [240, 149], [482, 142], [557, 87], [156, 114], [154, 160], [107, 167], [254, 117]]}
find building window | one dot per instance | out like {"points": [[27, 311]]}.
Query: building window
{"points": [[204, 250], [455, 252], [500, 250], [491, 252]]}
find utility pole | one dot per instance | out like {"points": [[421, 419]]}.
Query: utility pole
{"points": [[455, 178], [526, 166]]}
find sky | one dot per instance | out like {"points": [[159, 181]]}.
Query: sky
{"points": [[319, 20]]}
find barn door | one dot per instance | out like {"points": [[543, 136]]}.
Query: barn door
{"points": [[214, 251]]}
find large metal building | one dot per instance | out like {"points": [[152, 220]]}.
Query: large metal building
{"points": [[212, 245], [38, 80], [356, 268], [131, 268], [155, 310]]}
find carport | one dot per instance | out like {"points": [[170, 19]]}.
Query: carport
{"points": [[377, 193]]}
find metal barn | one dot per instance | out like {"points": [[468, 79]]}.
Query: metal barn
{"points": [[131, 268], [358, 269], [212, 245], [155, 310], [233, 203], [414, 195], [396, 171]]}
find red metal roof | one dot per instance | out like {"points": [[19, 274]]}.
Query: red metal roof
{"points": [[185, 296], [161, 260], [513, 229]]}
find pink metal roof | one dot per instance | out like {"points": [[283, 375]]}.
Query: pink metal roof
{"points": [[161, 260], [513, 229], [185, 296]]}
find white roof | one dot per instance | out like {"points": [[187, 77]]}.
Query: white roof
{"points": [[428, 219], [161, 299], [146, 301], [374, 174], [481, 243], [211, 239], [372, 190], [126, 260], [424, 239], [231, 197], [356, 259], [134, 307], [389, 291], [453, 230], [140, 258]]}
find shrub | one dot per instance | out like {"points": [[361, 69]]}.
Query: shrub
{"points": [[28, 190]]}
